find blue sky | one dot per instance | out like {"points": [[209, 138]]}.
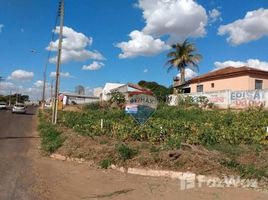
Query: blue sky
{"points": [[126, 41]]}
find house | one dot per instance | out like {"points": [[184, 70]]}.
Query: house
{"points": [[229, 78], [126, 89], [72, 98], [106, 92]]}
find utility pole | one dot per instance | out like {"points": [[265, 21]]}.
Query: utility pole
{"points": [[44, 88], [10, 93], [55, 105], [51, 90]]}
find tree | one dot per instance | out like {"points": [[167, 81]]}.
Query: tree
{"points": [[183, 55], [161, 92], [117, 98], [79, 89]]}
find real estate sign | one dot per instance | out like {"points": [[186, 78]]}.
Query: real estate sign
{"points": [[141, 107]]}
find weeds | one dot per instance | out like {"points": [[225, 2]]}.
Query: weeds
{"points": [[105, 164], [51, 139], [125, 152]]}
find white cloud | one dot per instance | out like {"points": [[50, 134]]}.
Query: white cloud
{"points": [[253, 27], [7, 85], [176, 18], [141, 45], [34, 91], [74, 55], [1, 27], [62, 74], [189, 74], [253, 63], [39, 84], [145, 70], [93, 66], [74, 46], [214, 15], [21, 75]]}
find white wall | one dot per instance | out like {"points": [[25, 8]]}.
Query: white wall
{"points": [[229, 99]]}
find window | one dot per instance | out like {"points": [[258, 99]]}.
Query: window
{"points": [[258, 84], [199, 88], [212, 85]]}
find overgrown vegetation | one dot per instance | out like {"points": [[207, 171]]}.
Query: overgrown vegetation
{"points": [[172, 125], [51, 139]]}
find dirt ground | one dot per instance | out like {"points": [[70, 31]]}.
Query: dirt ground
{"points": [[61, 180]]}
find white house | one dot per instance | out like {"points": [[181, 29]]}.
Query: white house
{"points": [[123, 88]]}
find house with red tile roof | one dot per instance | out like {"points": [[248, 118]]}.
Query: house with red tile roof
{"points": [[229, 78]]}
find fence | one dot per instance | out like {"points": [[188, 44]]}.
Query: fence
{"points": [[228, 98]]}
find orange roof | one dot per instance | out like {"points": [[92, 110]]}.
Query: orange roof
{"points": [[228, 72]]}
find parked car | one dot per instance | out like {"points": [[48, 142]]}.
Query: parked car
{"points": [[19, 108], [3, 105]]}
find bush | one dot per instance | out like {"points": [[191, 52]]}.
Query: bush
{"points": [[105, 164], [125, 152]]}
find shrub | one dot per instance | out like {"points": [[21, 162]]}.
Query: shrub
{"points": [[125, 152], [105, 164]]}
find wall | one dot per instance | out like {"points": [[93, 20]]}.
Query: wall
{"points": [[251, 98], [252, 79], [235, 83], [230, 99]]}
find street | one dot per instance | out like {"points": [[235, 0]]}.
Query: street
{"points": [[27, 175]]}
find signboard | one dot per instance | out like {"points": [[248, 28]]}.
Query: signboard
{"points": [[141, 107]]}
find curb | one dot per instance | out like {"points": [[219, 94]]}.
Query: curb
{"points": [[186, 177]]}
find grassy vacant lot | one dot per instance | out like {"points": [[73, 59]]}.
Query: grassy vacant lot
{"points": [[183, 139]]}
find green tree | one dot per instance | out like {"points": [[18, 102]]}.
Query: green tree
{"points": [[181, 56], [161, 92]]}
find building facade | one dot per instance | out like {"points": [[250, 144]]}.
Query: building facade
{"points": [[229, 78]]}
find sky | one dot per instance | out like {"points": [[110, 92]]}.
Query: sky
{"points": [[124, 41]]}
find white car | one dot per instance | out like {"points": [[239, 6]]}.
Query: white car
{"points": [[3, 105], [19, 108]]}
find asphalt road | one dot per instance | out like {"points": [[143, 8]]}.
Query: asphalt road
{"points": [[16, 133]]}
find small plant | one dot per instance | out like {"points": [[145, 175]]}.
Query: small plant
{"points": [[118, 98], [125, 152], [105, 164], [211, 105], [202, 101]]}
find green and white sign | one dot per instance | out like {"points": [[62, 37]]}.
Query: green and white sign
{"points": [[141, 107]]}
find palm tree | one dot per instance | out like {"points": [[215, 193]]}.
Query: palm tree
{"points": [[183, 55]]}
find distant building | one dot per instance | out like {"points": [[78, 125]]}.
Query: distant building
{"points": [[72, 98], [229, 78], [97, 91], [125, 89]]}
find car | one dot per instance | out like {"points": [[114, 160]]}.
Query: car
{"points": [[19, 108], [3, 105]]}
